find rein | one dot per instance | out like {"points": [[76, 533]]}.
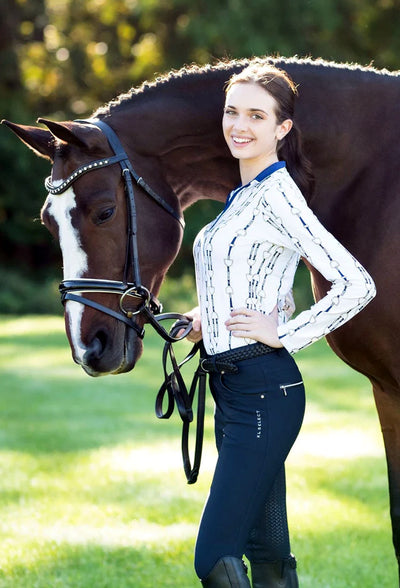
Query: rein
{"points": [[147, 305]]}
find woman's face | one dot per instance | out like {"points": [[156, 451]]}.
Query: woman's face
{"points": [[250, 126]]}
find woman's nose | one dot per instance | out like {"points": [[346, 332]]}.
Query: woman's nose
{"points": [[240, 124]]}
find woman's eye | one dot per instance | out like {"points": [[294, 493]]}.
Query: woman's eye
{"points": [[105, 215], [230, 112]]}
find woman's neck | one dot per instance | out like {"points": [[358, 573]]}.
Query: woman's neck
{"points": [[250, 169]]}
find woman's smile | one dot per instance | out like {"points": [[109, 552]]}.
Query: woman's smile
{"points": [[250, 128], [241, 140]]}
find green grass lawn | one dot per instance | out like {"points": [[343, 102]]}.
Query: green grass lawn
{"points": [[92, 492]]}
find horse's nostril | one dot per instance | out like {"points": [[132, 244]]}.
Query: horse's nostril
{"points": [[97, 346], [102, 338]]}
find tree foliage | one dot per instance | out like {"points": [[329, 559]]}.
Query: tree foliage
{"points": [[64, 58], [76, 55]]}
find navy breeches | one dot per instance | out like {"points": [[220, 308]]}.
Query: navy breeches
{"points": [[258, 415]]}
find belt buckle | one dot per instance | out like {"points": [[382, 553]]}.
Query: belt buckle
{"points": [[218, 366], [202, 365]]}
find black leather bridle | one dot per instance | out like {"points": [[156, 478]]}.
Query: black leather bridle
{"points": [[148, 305]]}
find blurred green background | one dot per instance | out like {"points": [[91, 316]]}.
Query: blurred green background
{"points": [[63, 58]]}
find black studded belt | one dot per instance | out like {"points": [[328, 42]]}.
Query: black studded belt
{"points": [[225, 362]]}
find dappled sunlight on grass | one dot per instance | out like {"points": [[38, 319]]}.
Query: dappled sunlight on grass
{"points": [[28, 325], [35, 361], [137, 533], [158, 457], [346, 443]]}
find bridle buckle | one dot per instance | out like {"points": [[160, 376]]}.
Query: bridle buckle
{"points": [[139, 292]]}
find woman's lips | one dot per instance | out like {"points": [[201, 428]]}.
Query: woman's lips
{"points": [[241, 140]]}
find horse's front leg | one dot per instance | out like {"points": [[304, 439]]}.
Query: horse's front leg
{"points": [[387, 401]]}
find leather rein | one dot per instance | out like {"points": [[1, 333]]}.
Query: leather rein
{"points": [[147, 304]]}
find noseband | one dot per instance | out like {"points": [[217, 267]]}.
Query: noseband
{"points": [[147, 304]]}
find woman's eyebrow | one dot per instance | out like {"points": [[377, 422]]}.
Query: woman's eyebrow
{"points": [[249, 109], [257, 110]]}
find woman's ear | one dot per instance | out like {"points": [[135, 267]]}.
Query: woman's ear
{"points": [[284, 128]]}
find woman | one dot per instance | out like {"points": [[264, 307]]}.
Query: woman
{"points": [[245, 264]]}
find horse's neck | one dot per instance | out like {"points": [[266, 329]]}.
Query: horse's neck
{"points": [[344, 116], [201, 169], [181, 140], [341, 114]]}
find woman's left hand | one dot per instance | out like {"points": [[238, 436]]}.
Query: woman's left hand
{"points": [[251, 324]]}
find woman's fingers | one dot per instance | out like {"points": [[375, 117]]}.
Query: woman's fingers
{"points": [[239, 323], [252, 324], [195, 335], [244, 318], [240, 316]]}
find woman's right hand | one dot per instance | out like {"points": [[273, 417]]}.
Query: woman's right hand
{"points": [[195, 334]]}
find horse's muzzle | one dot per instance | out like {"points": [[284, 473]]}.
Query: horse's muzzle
{"points": [[109, 353]]}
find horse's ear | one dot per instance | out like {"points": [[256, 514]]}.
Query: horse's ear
{"points": [[40, 140], [73, 133]]}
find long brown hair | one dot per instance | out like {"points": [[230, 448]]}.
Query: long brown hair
{"points": [[281, 87]]}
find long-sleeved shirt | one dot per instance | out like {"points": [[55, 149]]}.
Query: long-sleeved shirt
{"points": [[248, 256]]}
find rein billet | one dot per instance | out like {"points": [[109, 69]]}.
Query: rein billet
{"points": [[148, 305]]}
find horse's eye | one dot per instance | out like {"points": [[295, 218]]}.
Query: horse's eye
{"points": [[105, 215]]}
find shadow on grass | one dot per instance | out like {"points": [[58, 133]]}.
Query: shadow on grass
{"points": [[170, 566], [107, 567]]}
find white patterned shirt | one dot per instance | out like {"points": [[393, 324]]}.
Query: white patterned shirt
{"points": [[248, 256]]}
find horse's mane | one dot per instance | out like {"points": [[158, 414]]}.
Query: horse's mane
{"points": [[175, 76]]}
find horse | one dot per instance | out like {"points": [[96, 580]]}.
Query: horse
{"points": [[170, 130]]}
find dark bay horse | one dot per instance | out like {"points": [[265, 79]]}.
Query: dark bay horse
{"points": [[171, 132]]}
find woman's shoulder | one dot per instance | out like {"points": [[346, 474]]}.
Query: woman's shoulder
{"points": [[279, 187]]}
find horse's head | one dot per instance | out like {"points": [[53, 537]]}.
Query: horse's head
{"points": [[91, 216]]}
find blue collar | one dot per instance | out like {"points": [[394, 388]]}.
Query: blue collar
{"points": [[261, 176], [269, 170]]}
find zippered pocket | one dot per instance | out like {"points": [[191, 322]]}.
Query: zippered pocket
{"points": [[285, 387]]}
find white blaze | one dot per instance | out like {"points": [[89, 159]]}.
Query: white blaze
{"points": [[75, 261]]}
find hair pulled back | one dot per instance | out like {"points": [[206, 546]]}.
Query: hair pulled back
{"points": [[281, 87]]}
